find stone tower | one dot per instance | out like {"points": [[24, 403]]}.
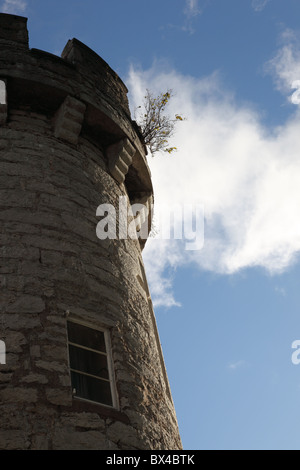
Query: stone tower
{"points": [[84, 367]]}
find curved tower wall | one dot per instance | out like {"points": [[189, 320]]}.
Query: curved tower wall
{"points": [[68, 145]]}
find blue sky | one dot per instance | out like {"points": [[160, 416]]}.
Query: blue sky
{"points": [[228, 313]]}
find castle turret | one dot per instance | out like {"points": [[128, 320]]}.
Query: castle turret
{"points": [[83, 364]]}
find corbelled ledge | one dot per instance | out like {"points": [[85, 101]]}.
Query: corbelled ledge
{"points": [[82, 94]]}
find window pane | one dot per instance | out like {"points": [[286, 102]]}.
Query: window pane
{"points": [[88, 361], [85, 336], [91, 389]]}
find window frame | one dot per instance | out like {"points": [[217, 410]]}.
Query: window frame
{"points": [[108, 354]]}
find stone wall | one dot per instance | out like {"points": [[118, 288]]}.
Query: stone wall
{"points": [[60, 159]]}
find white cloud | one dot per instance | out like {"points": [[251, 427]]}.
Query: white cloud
{"points": [[246, 176], [259, 5], [14, 6]]}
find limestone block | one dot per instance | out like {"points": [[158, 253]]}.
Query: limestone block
{"points": [[59, 397], [68, 120], [65, 380], [14, 341], [89, 421], [69, 439], [124, 435], [20, 321], [20, 252], [35, 350], [120, 158], [27, 304], [18, 395], [38, 378], [40, 442], [13, 440], [51, 366]]}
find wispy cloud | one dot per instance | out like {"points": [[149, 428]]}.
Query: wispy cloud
{"points": [[247, 177], [285, 65], [192, 8], [191, 11], [236, 365], [259, 5], [14, 6], [280, 291]]}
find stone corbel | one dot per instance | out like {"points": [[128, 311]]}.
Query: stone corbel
{"points": [[120, 158], [68, 120]]}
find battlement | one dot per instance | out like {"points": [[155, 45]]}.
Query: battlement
{"points": [[48, 84], [13, 29]]}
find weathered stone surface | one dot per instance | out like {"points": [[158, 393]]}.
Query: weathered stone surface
{"points": [[125, 435], [84, 421], [15, 341], [3, 114], [13, 440], [27, 304], [65, 439], [51, 366], [13, 29], [38, 378], [62, 154], [59, 397], [18, 395]]}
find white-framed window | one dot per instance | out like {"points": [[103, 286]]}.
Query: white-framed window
{"points": [[91, 364]]}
